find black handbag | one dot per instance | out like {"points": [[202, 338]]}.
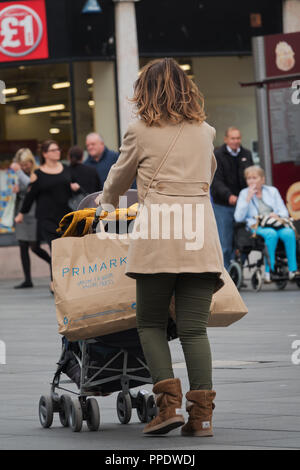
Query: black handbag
{"points": [[76, 199]]}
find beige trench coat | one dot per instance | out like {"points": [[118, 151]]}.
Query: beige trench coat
{"points": [[181, 184]]}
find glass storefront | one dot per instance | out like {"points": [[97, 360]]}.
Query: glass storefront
{"points": [[60, 101], [39, 107], [226, 102]]}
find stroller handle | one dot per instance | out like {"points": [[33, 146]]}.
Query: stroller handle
{"points": [[96, 218]]}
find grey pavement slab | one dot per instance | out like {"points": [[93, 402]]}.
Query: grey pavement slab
{"points": [[257, 384]]}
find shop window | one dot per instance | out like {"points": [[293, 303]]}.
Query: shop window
{"points": [[38, 107]]}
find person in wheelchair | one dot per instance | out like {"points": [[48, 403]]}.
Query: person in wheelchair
{"points": [[262, 208]]}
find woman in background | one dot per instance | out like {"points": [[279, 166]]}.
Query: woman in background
{"points": [[258, 199], [24, 165], [86, 176], [51, 189]]}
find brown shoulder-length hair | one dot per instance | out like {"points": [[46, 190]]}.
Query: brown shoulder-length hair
{"points": [[164, 92], [44, 149]]}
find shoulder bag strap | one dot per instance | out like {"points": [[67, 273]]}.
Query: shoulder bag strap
{"points": [[164, 158]]}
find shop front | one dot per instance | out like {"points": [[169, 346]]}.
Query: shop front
{"points": [[58, 63]]}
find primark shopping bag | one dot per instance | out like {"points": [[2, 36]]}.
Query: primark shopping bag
{"points": [[227, 305], [93, 296]]}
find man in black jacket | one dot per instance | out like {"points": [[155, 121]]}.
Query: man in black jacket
{"points": [[229, 180]]}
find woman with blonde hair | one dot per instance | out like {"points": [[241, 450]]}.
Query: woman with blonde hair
{"points": [[258, 199], [51, 190], [24, 165], [169, 151]]}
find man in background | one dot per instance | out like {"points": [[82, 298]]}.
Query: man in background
{"points": [[99, 156], [229, 180]]}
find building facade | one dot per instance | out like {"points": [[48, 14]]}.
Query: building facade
{"points": [[74, 80]]}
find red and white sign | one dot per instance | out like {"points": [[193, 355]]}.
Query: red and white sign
{"points": [[23, 31]]}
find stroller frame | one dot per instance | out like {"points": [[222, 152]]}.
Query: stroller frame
{"points": [[72, 413], [87, 384]]}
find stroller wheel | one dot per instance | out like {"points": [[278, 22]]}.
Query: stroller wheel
{"points": [[298, 282], [257, 280], [236, 274], [124, 407], [75, 416], [46, 411], [141, 407], [64, 410], [151, 408], [92, 414]]}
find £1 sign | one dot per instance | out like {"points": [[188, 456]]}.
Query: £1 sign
{"points": [[23, 31]]}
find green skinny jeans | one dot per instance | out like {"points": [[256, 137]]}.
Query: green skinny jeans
{"points": [[193, 295]]}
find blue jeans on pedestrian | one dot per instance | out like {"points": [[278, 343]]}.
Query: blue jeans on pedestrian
{"points": [[271, 237], [225, 223]]}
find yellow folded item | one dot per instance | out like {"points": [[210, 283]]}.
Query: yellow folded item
{"points": [[78, 223]]}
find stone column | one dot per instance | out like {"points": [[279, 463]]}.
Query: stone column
{"points": [[105, 109], [291, 16], [127, 58], [84, 115]]}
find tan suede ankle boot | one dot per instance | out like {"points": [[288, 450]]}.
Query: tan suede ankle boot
{"points": [[168, 400], [200, 407]]}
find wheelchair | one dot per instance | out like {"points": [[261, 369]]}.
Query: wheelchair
{"points": [[244, 244]]}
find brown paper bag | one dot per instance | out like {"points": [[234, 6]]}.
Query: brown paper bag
{"points": [[94, 297], [227, 305]]}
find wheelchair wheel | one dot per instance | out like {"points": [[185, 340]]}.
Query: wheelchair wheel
{"points": [[257, 280], [281, 284], [282, 271], [236, 274]]}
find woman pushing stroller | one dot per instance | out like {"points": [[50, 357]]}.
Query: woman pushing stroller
{"points": [[169, 151]]}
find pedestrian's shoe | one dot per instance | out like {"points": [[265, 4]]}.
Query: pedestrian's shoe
{"points": [[293, 275], [200, 407], [168, 400], [24, 285]]}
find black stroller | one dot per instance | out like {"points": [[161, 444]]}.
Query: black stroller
{"points": [[99, 367]]}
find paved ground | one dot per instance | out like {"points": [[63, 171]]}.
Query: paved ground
{"points": [[257, 384]]}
